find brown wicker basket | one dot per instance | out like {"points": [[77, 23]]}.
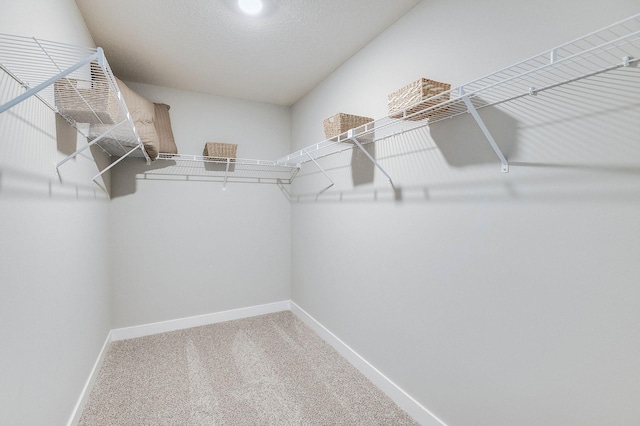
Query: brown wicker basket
{"points": [[417, 96], [340, 123], [217, 151], [86, 101]]}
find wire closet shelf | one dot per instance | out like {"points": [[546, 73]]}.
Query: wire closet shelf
{"points": [[77, 83], [610, 48], [206, 168]]}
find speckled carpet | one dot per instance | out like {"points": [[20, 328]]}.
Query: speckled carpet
{"points": [[265, 370]]}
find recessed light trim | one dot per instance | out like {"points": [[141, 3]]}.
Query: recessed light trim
{"points": [[250, 7]]}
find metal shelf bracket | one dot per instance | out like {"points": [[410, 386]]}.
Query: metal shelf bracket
{"points": [[352, 138], [474, 113], [226, 175], [321, 169]]}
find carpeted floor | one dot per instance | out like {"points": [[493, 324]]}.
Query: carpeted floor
{"points": [[265, 370]]}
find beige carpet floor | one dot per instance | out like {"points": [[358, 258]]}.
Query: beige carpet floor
{"points": [[265, 370]]}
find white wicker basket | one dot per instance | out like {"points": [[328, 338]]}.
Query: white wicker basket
{"points": [[418, 96]]}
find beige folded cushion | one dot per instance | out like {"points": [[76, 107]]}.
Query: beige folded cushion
{"points": [[162, 122], [142, 113]]}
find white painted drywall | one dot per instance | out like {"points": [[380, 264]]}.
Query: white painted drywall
{"points": [[182, 248], [54, 301], [492, 299]]}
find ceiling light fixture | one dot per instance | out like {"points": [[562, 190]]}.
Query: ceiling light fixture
{"points": [[250, 7]]}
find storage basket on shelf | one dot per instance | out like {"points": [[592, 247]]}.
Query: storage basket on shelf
{"points": [[418, 96], [218, 151], [340, 123], [86, 101], [221, 156]]}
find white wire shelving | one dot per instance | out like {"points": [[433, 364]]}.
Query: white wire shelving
{"points": [[615, 46], [203, 168], [37, 65], [77, 83]]}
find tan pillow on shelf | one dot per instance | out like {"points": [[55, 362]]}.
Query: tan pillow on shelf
{"points": [[142, 112], [149, 137], [162, 122], [140, 108]]}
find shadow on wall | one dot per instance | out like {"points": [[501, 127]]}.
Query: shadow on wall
{"points": [[66, 136], [126, 174], [578, 141], [16, 184], [362, 169], [33, 138], [560, 184], [463, 144], [67, 144], [408, 154], [28, 169], [559, 152]]}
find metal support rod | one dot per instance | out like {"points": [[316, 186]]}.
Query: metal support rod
{"points": [[280, 184], [373, 160], [226, 175], [472, 110], [47, 83], [116, 162], [319, 168], [294, 173], [96, 140]]}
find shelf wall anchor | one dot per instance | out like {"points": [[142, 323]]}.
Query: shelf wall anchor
{"points": [[626, 61], [352, 138], [472, 110]]}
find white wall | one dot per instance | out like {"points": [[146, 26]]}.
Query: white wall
{"points": [[181, 248], [54, 302], [492, 299]]}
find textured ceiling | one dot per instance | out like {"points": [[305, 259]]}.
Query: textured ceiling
{"points": [[210, 47]]}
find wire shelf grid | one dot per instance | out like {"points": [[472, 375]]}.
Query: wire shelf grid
{"points": [[198, 167], [84, 76], [612, 47], [77, 83]]}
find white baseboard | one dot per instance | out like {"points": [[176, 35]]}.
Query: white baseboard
{"points": [[196, 321], [86, 390], [393, 391]]}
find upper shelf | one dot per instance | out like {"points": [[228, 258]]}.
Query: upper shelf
{"points": [[198, 167], [615, 46], [61, 75], [75, 82]]}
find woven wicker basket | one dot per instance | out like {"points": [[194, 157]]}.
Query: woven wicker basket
{"points": [[217, 151], [340, 123], [86, 101], [417, 96]]}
